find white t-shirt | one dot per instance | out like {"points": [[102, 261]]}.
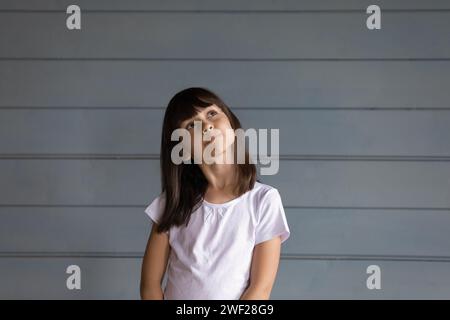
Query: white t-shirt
{"points": [[211, 258]]}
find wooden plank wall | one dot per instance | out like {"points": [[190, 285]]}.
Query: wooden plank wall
{"points": [[364, 123]]}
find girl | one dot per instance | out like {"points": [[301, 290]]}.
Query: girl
{"points": [[215, 226]]}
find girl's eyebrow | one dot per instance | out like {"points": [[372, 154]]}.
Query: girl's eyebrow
{"points": [[205, 110]]}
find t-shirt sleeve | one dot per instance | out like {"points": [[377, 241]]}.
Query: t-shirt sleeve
{"points": [[272, 220], [156, 209]]}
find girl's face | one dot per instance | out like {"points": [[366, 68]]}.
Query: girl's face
{"points": [[213, 123]]}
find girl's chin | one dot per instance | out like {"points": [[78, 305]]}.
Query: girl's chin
{"points": [[214, 156]]}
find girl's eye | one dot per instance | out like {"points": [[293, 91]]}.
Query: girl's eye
{"points": [[212, 113]]}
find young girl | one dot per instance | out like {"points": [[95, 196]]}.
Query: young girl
{"points": [[215, 226]]}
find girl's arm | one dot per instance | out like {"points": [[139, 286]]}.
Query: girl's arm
{"points": [[154, 265], [265, 260]]}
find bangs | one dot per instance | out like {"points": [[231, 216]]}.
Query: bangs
{"points": [[188, 107]]}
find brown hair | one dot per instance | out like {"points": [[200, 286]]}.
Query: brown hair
{"points": [[184, 184]]}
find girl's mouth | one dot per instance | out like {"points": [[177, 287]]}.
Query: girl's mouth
{"points": [[212, 139]]}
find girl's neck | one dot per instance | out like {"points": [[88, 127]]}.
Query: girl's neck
{"points": [[222, 181], [219, 176]]}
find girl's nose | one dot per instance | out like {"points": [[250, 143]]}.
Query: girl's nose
{"points": [[209, 127]]}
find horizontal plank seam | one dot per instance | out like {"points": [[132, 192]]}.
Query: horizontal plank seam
{"points": [[282, 157], [234, 107], [283, 256], [229, 11], [38, 205], [206, 59]]}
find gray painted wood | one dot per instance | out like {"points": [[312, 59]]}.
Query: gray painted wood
{"points": [[262, 84], [364, 120], [117, 278], [338, 279], [236, 5], [314, 231], [242, 35], [317, 183], [302, 132]]}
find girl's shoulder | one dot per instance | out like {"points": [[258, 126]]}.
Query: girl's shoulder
{"points": [[263, 190], [270, 215], [159, 199], [156, 207]]}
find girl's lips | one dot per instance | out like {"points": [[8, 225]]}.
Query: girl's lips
{"points": [[212, 139]]}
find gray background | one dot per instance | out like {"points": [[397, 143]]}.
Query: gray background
{"points": [[364, 127]]}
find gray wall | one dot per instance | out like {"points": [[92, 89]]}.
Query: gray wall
{"points": [[364, 124]]}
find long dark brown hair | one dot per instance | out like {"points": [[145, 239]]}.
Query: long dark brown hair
{"points": [[184, 185]]}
